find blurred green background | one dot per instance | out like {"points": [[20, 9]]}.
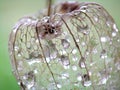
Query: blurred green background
{"points": [[11, 11]]}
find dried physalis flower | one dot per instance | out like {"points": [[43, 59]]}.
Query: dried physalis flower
{"points": [[75, 46]]}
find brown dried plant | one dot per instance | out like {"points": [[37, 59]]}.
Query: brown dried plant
{"points": [[69, 46]]}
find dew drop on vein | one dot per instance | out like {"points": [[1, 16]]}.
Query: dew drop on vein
{"points": [[65, 43], [16, 48], [81, 62], [65, 60], [115, 27], [86, 80], [54, 54], [77, 40], [84, 8]]}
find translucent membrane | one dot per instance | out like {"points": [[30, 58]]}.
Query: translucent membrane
{"points": [[78, 50]]}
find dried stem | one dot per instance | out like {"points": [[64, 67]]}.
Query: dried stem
{"points": [[15, 61], [49, 7], [45, 58]]}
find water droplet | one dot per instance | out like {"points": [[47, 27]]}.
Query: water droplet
{"points": [[62, 52], [16, 48], [90, 73], [96, 19], [74, 59], [77, 40], [35, 71], [15, 28], [76, 13], [74, 68], [59, 85], [34, 54], [83, 43], [37, 41], [92, 63], [76, 84], [83, 29], [28, 80], [109, 23], [54, 54], [19, 82], [31, 62], [19, 54], [103, 80], [118, 40], [87, 83], [83, 8], [87, 53], [81, 62], [103, 39], [29, 76], [86, 77], [103, 54], [68, 38], [65, 43], [114, 34], [30, 85], [94, 51], [86, 80], [103, 77], [74, 51], [66, 67], [64, 76], [65, 60], [47, 59], [79, 77], [115, 27]]}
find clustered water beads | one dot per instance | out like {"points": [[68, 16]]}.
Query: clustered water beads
{"points": [[72, 50]]}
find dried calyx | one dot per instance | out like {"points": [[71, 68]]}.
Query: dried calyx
{"points": [[76, 47]]}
